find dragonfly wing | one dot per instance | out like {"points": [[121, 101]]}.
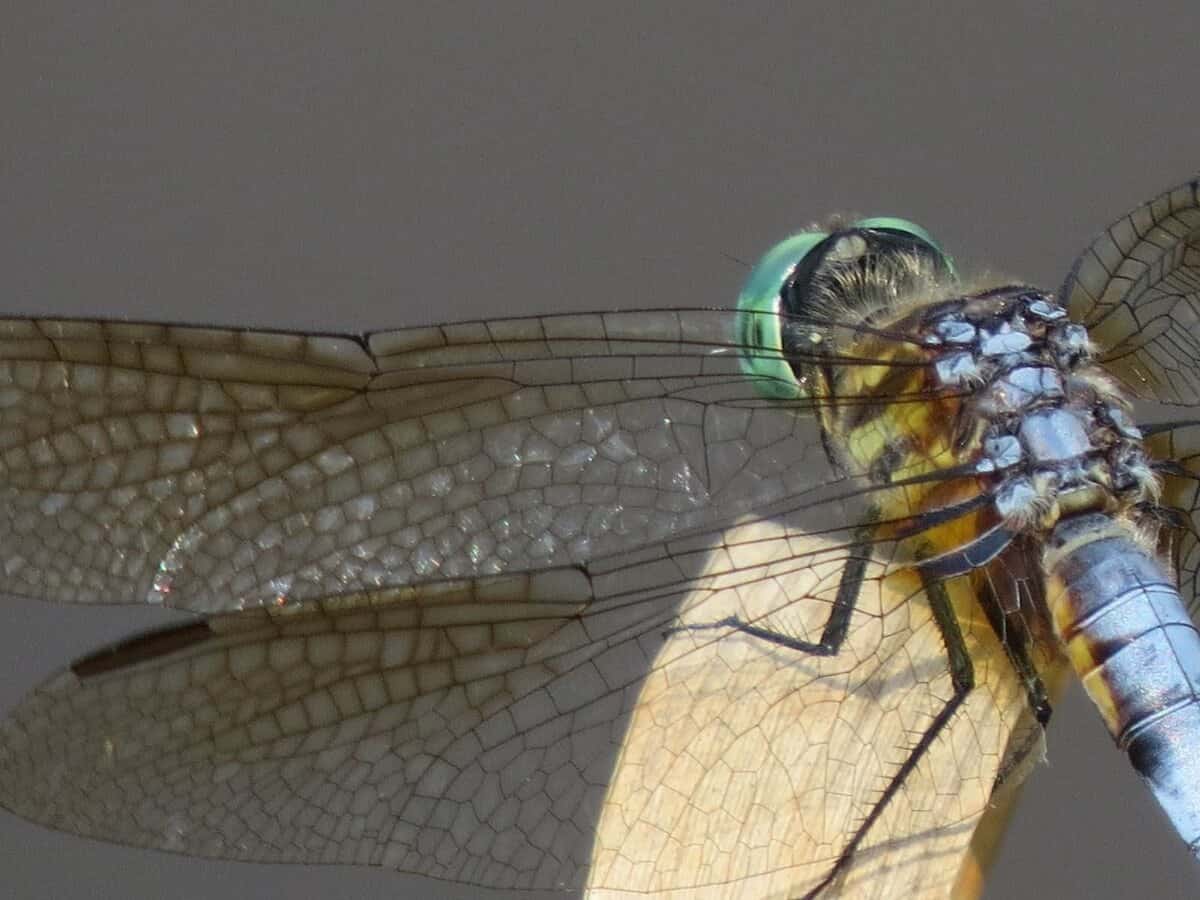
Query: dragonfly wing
{"points": [[212, 469], [1137, 289], [602, 729], [537, 603], [1179, 444]]}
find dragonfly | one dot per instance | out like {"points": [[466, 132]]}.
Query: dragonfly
{"points": [[772, 600]]}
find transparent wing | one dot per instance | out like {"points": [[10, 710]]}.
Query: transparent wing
{"points": [[213, 469], [599, 730], [1179, 446], [1137, 289], [488, 603]]}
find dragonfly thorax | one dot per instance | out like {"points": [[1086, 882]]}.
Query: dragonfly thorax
{"points": [[991, 402], [1049, 431]]}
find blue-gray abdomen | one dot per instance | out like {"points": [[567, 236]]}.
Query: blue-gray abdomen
{"points": [[1137, 652]]}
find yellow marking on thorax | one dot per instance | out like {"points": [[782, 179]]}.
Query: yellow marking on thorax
{"points": [[920, 430]]}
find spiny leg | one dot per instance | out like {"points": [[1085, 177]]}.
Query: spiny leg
{"points": [[1014, 636], [833, 634], [962, 673], [962, 678], [838, 624]]}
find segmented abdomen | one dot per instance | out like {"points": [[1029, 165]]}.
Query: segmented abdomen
{"points": [[1137, 652]]}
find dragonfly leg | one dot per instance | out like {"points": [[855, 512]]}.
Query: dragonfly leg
{"points": [[1014, 635], [961, 669], [833, 634], [962, 678]]}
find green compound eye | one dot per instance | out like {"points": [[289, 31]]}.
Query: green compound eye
{"points": [[760, 340], [759, 335], [912, 229]]}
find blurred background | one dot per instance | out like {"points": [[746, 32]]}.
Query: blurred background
{"points": [[365, 166]]}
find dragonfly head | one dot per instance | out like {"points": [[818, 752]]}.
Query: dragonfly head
{"points": [[809, 284]]}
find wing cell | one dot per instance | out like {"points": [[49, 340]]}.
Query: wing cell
{"points": [[177, 466], [593, 729], [1137, 289], [564, 603]]}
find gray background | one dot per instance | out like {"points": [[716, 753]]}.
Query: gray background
{"points": [[374, 166]]}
